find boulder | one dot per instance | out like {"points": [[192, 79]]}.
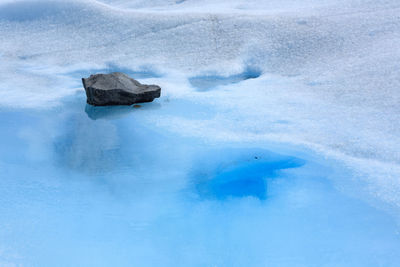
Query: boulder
{"points": [[117, 89]]}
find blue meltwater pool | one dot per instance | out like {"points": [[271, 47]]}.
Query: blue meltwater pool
{"points": [[85, 186]]}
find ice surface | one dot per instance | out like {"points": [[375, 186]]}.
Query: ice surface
{"points": [[323, 75]]}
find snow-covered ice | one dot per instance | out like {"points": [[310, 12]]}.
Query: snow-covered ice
{"points": [[276, 140]]}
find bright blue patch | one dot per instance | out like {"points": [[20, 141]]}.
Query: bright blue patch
{"points": [[243, 179]]}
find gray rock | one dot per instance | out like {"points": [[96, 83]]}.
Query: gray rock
{"points": [[117, 89]]}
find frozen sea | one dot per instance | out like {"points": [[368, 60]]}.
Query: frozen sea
{"points": [[275, 141]]}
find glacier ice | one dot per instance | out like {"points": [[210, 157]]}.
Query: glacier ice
{"points": [[311, 81]]}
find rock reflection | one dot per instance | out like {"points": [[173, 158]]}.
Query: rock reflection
{"points": [[107, 112], [88, 146]]}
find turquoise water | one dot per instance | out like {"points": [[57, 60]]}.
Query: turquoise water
{"points": [[85, 186]]}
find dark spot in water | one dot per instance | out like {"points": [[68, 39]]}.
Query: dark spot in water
{"points": [[207, 82], [137, 106]]}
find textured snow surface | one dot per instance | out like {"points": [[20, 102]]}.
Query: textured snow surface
{"points": [[324, 75]]}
